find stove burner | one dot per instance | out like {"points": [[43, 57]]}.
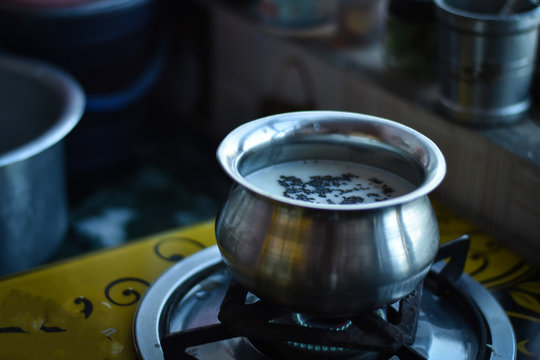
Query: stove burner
{"points": [[271, 327], [332, 324], [186, 315], [339, 324]]}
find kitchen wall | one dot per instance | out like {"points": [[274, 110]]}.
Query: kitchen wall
{"points": [[491, 178]]}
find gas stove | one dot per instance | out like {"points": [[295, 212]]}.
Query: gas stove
{"points": [[196, 310]]}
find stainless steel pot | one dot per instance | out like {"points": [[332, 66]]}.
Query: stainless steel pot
{"points": [[39, 105], [328, 259]]}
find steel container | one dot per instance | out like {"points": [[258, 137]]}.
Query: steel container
{"points": [[39, 105], [487, 56], [328, 259], [115, 49]]}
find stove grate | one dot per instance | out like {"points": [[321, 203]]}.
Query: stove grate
{"points": [[271, 328]]}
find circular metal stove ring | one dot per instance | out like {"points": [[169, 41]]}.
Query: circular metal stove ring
{"points": [[150, 317]]}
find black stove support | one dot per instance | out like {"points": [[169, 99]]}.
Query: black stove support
{"points": [[443, 284], [269, 326]]}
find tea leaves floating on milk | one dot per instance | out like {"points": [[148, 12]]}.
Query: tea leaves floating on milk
{"points": [[330, 182]]}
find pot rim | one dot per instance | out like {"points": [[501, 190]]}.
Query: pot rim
{"points": [[71, 111], [277, 127], [487, 22]]}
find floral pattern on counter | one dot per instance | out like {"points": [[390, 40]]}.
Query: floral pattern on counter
{"points": [[83, 308]]}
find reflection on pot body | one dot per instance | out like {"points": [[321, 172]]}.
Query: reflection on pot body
{"points": [[329, 258]]}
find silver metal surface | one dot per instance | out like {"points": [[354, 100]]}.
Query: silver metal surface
{"points": [[39, 105], [329, 258], [487, 59], [188, 295], [172, 285]]}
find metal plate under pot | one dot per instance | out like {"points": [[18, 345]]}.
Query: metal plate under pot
{"points": [[189, 295]]}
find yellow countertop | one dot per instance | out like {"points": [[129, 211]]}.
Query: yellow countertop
{"points": [[83, 307]]}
